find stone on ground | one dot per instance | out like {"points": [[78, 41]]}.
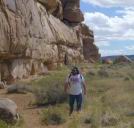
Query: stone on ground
{"points": [[8, 110]]}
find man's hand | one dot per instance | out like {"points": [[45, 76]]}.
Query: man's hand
{"points": [[66, 87], [85, 92]]}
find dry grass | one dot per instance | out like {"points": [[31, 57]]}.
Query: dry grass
{"points": [[109, 102]]}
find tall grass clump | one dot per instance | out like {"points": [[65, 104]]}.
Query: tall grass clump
{"points": [[3, 124], [53, 116]]}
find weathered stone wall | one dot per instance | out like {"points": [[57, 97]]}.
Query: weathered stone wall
{"points": [[90, 50], [33, 36]]}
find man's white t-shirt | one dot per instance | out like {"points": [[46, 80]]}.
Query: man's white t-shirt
{"points": [[75, 84]]}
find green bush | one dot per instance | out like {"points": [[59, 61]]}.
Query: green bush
{"points": [[50, 89], [53, 116], [18, 124], [50, 95]]}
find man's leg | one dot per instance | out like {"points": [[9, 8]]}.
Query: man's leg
{"points": [[79, 101], [71, 103]]}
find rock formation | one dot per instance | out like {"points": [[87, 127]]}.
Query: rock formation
{"points": [[71, 11], [122, 59], [35, 34], [90, 51]]}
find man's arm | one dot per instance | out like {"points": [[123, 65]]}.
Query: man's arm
{"points": [[66, 87], [84, 87]]}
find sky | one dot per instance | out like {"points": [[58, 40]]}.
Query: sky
{"points": [[113, 24]]}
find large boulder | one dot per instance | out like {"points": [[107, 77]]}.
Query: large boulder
{"points": [[8, 110]]}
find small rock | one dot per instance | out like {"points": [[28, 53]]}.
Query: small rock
{"points": [[23, 89], [130, 114], [2, 85]]}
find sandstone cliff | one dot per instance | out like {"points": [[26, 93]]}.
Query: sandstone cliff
{"points": [[90, 51], [35, 34]]}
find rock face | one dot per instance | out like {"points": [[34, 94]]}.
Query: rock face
{"points": [[123, 59], [8, 110], [33, 36], [54, 7], [71, 11], [90, 51]]}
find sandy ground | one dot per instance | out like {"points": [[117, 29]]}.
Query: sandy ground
{"points": [[31, 115]]}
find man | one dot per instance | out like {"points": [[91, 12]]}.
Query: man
{"points": [[74, 86]]}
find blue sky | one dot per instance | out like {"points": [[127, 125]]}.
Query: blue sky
{"points": [[113, 24]]}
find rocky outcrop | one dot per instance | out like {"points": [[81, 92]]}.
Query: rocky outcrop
{"points": [[54, 7], [122, 59], [8, 110], [71, 12], [90, 51], [34, 37]]}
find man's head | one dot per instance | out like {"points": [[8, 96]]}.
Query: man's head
{"points": [[75, 71]]}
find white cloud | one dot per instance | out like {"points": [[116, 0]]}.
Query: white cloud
{"points": [[102, 44], [111, 3], [110, 28], [107, 52], [107, 28], [130, 48]]}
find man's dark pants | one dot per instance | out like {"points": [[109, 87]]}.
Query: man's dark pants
{"points": [[72, 99]]}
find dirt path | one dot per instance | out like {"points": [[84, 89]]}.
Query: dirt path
{"points": [[30, 115]]}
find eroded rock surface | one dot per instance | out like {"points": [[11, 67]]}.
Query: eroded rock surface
{"points": [[71, 11], [33, 36], [90, 51]]}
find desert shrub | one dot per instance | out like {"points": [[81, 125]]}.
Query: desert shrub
{"points": [[131, 75], [17, 124], [103, 73], [50, 89], [50, 95], [127, 78], [109, 119], [3, 124], [53, 116], [88, 120], [92, 72]]}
